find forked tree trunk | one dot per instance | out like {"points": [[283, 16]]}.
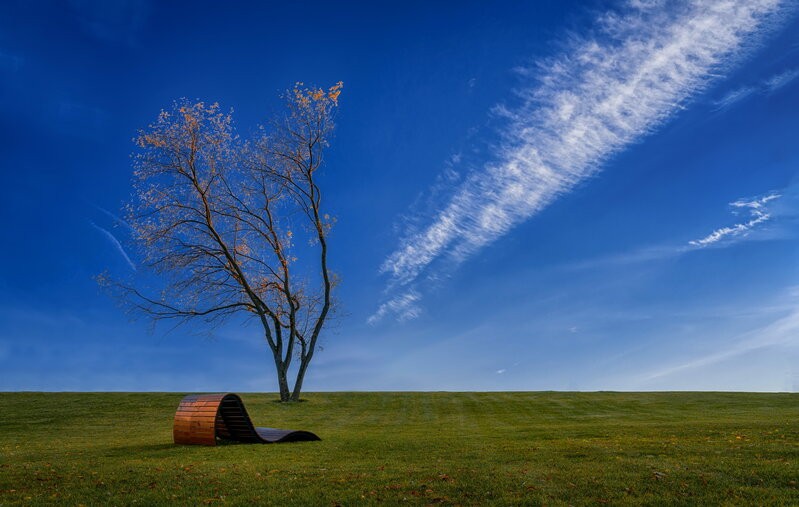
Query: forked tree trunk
{"points": [[295, 395], [285, 394], [204, 211]]}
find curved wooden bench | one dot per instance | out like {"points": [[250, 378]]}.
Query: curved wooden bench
{"points": [[201, 419]]}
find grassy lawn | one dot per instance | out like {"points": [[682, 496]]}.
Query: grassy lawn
{"points": [[419, 448]]}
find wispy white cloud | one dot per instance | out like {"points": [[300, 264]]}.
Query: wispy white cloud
{"points": [[780, 80], [758, 214], [404, 306], [116, 244], [783, 331], [733, 97], [607, 91], [760, 209], [765, 86]]}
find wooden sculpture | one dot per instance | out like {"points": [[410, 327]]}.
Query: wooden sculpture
{"points": [[201, 419]]}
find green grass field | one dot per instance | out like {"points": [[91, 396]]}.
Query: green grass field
{"points": [[419, 448]]}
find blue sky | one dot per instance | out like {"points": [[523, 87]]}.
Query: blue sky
{"points": [[530, 195]]}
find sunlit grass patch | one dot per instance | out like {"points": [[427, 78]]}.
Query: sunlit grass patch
{"points": [[423, 448]]}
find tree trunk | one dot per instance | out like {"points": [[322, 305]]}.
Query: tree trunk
{"points": [[283, 383], [295, 395]]}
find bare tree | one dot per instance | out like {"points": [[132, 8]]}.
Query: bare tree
{"points": [[218, 219]]}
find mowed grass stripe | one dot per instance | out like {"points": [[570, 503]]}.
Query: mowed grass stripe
{"points": [[418, 448]]}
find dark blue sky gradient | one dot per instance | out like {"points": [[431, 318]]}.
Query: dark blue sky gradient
{"points": [[555, 304]]}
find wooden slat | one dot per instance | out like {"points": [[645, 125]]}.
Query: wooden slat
{"points": [[195, 419]]}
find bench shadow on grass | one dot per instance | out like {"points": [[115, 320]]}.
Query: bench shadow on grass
{"points": [[165, 449], [143, 450]]}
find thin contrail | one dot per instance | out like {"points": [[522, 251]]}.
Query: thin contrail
{"points": [[114, 217], [114, 241]]}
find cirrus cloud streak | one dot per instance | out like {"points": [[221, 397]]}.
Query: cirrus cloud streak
{"points": [[606, 91]]}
